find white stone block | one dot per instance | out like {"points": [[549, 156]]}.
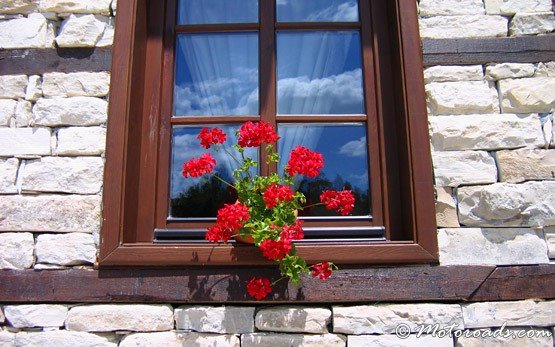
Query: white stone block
{"points": [[75, 6], [7, 111], [107, 38], [531, 338], [165, 339], [65, 213], [24, 113], [114, 6], [81, 31], [18, 6], [81, 141], [114, 317], [453, 73], [31, 32], [485, 132], [394, 341], [201, 340], [34, 88], [7, 338], [8, 175], [450, 7], [61, 174], [532, 23], [452, 169], [65, 249], [223, 320], [29, 316], [527, 95], [510, 7], [384, 318], [526, 165], [76, 84], [2, 318], [24, 141], [545, 69], [470, 26], [446, 208], [450, 98], [13, 86], [59, 338], [509, 70], [79, 110], [275, 340], [506, 246], [16, 250], [506, 204], [511, 313], [293, 319], [549, 233]]}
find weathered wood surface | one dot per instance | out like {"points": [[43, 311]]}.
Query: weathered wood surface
{"points": [[436, 52], [210, 285]]}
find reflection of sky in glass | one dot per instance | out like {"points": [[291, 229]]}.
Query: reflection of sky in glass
{"points": [[319, 72], [317, 11], [216, 74], [217, 11], [344, 147], [185, 146]]}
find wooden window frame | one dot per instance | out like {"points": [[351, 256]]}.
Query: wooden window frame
{"points": [[137, 97]]}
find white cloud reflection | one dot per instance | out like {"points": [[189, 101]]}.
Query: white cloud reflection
{"points": [[356, 148]]}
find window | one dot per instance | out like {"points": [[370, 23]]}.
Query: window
{"points": [[343, 77]]}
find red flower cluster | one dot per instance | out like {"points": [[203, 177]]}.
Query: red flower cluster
{"points": [[259, 288], [304, 162], [210, 137], [254, 134], [217, 233], [342, 201], [233, 216], [293, 232], [321, 270], [198, 167], [275, 250], [275, 194]]}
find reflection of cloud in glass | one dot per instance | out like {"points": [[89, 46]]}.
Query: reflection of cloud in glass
{"points": [[336, 94], [317, 10], [358, 180], [356, 148], [217, 11], [346, 12]]}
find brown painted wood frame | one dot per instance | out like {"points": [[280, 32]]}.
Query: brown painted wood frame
{"points": [[135, 127]]}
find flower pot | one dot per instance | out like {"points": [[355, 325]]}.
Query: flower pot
{"points": [[247, 239]]}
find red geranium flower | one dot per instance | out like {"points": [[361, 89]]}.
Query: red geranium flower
{"points": [[321, 270], [342, 201], [254, 134], [210, 137], [217, 233], [233, 216], [198, 167], [275, 250], [259, 288], [275, 194], [304, 162], [293, 232]]}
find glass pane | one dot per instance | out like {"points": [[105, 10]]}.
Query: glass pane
{"points": [[344, 147], [217, 11], [319, 73], [317, 10], [216, 74], [203, 196]]}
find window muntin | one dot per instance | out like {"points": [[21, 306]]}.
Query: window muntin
{"points": [[217, 11], [317, 11], [319, 72]]}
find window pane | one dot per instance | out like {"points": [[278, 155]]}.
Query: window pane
{"points": [[344, 147], [217, 11], [319, 72], [317, 11], [201, 197], [216, 74]]}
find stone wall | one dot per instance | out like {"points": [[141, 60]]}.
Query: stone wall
{"points": [[493, 149]]}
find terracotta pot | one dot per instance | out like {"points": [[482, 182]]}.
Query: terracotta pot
{"points": [[248, 240]]}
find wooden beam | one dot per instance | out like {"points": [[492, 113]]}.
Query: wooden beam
{"points": [[529, 49], [217, 285]]}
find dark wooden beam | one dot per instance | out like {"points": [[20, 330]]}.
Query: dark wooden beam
{"points": [[211, 285], [529, 49]]}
